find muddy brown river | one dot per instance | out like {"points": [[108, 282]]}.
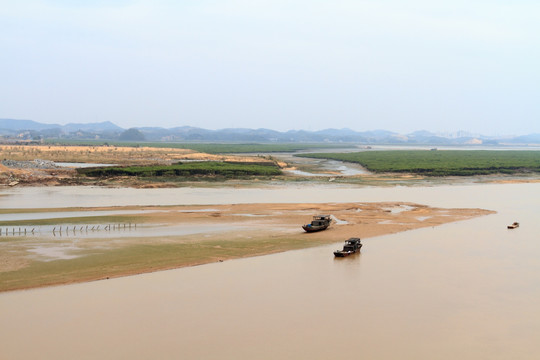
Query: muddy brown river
{"points": [[465, 290]]}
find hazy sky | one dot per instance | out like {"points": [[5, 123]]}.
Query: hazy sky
{"points": [[400, 65]]}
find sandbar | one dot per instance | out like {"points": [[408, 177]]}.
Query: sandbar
{"points": [[166, 237]]}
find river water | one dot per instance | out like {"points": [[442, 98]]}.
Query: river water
{"points": [[465, 290]]}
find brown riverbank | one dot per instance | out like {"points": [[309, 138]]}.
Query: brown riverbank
{"points": [[216, 233], [22, 170], [34, 165]]}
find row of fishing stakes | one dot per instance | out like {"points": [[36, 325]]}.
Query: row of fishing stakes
{"points": [[19, 232], [67, 229]]}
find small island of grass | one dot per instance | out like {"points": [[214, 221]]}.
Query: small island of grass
{"points": [[187, 169]]}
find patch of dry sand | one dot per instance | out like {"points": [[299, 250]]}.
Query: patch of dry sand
{"points": [[350, 219]]}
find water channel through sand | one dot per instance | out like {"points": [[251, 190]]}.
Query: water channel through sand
{"points": [[464, 290]]}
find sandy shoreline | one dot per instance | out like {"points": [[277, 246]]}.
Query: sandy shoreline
{"points": [[218, 233]]}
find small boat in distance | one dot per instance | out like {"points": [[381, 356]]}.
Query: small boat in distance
{"points": [[514, 225], [351, 246], [319, 222]]}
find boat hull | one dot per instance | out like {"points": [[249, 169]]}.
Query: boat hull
{"points": [[311, 228], [342, 253], [345, 253], [513, 226]]}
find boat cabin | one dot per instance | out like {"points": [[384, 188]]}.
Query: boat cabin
{"points": [[320, 220]]}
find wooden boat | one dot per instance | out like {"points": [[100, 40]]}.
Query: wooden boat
{"points": [[319, 222], [514, 225], [351, 246]]}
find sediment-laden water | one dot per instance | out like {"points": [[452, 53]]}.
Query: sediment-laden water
{"points": [[465, 290]]}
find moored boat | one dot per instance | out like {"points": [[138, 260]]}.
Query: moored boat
{"points": [[351, 246], [513, 225], [319, 222]]}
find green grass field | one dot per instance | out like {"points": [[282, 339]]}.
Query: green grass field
{"points": [[441, 162]]}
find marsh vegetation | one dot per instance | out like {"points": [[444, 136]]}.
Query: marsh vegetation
{"points": [[441, 163], [188, 169]]}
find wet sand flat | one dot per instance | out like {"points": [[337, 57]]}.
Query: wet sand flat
{"points": [[165, 237]]}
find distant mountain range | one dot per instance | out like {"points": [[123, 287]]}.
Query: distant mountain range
{"points": [[31, 130], [30, 125]]}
